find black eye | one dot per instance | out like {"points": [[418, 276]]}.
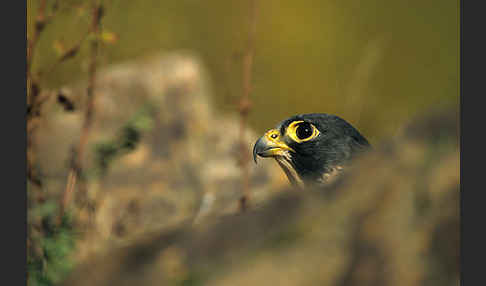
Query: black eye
{"points": [[304, 130]]}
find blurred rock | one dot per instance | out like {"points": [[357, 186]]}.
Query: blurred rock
{"points": [[183, 169], [392, 219]]}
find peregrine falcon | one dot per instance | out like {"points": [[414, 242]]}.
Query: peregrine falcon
{"points": [[311, 148]]}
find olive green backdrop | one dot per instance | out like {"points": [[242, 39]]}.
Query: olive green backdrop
{"points": [[376, 63]]}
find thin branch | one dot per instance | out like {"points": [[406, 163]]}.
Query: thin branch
{"points": [[40, 23], [68, 54], [33, 91], [245, 105], [41, 20], [76, 163]]}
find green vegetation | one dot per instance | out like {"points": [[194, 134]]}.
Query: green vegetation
{"points": [[126, 141], [52, 246]]}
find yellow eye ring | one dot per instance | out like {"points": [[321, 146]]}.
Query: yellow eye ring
{"points": [[293, 130]]}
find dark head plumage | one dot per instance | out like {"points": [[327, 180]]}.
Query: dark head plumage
{"points": [[311, 147]]}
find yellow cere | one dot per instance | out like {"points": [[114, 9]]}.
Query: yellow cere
{"points": [[292, 129], [272, 135]]}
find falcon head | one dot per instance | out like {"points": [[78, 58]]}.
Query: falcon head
{"points": [[311, 147]]}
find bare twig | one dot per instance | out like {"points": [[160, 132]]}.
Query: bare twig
{"points": [[40, 23], [33, 91], [76, 163], [68, 54], [245, 105], [41, 20]]}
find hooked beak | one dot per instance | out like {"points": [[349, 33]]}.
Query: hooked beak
{"points": [[266, 146]]}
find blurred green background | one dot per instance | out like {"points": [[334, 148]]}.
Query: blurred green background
{"points": [[375, 63]]}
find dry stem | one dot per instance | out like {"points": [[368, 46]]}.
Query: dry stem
{"points": [[76, 163], [33, 93], [245, 105]]}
